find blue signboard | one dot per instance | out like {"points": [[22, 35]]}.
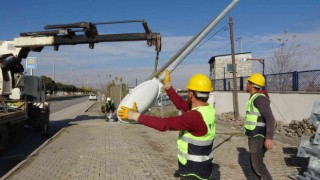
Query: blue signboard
{"points": [[31, 63]]}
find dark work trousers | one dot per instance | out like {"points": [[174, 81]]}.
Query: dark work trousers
{"points": [[257, 151]]}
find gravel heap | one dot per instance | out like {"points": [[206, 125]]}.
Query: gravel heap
{"points": [[294, 129], [229, 117]]}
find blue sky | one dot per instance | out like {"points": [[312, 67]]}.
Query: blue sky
{"points": [[255, 21]]}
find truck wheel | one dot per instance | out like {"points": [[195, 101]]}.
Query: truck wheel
{"points": [[46, 123], [35, 117], [45, 129], [4, 138]]}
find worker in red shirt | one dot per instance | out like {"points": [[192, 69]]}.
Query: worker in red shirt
{"points": [[196, 126]]}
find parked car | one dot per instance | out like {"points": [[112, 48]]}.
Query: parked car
{"points": [[92, 97]]}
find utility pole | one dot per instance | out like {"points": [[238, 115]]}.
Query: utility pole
{"points": [[54, 67], [234, 69], [120, 85]]}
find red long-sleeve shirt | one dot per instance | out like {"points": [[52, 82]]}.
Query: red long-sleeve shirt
{"points": [[190, 120]]}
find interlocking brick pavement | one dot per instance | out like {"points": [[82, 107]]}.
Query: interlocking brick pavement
{"points": [[96, 149]]}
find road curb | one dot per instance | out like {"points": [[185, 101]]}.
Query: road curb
{"points": [[90, 106]]}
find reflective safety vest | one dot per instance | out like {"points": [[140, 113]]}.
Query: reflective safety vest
{"points": [[195, 153], [254, 124], [109, 106]]}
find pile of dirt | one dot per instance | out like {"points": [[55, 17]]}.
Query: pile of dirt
{"points": [[286, 133], [296, 128]]}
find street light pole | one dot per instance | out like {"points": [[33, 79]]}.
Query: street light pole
{"points": [[120, 93], [129, 69], [240, 44], [54, 65], [260, 60], [54, 68], [71, 73]]}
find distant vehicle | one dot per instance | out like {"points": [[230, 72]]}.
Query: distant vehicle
{"points": [[92, 97]]}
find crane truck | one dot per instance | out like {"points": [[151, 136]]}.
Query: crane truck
{"points": [[22, 97]]}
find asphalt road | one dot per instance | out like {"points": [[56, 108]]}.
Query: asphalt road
{"points": [[29, 140]]}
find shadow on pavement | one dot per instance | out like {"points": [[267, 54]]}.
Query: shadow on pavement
{"points": [[224, 141], [244, 162], [56, 126], [216, 171], [216, 167], [29, 140], [295, 161], [20, 147]]}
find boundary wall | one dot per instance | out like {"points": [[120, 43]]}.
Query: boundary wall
{"points": [[285, 106]]}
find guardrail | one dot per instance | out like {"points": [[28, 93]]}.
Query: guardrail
{"points": [[54, 98]]}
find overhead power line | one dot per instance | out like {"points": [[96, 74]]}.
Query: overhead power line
{"points": [[224, 28]]}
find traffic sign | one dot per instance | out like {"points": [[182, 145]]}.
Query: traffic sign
{"points": [[31, 63]]}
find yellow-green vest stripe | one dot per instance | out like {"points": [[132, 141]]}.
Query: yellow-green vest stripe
{"points": [[252, 114], [185, 137]]}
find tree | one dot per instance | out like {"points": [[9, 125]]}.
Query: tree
{"points": [[60, 86], [49, 83], [284, 59]]}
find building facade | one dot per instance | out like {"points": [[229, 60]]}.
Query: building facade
{"points": [[221, 67]]}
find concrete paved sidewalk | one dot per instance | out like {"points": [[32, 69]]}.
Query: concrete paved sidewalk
{"points": [[96, 149]]}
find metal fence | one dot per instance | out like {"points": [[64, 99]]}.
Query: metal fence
{"points": [[307, 81]]}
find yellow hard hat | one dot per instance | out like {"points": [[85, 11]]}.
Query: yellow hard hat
{"points": [[258, 79], [200, 82]]}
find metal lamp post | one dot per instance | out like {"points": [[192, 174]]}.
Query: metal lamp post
{"points": [[54, 65], [257, 59], [54, 68], [129, 69]]}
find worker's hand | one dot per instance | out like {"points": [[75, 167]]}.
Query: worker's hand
{"points": [[268, 143], [166, 81], [167, 78], [126, 113], [135, 107]]}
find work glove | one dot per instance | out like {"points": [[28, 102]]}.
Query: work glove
{"points": [[126, 113], [166, 81]]}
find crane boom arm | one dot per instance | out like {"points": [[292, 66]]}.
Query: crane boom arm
{"points": [[72, 34], [31, 42]]}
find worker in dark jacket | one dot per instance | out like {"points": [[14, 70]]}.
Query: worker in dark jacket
{"points": [[196, 126], [259, 125], [110, 109]]}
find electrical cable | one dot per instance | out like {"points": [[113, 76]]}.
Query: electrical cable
{"points": [[224, 28], [279, 111]]}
